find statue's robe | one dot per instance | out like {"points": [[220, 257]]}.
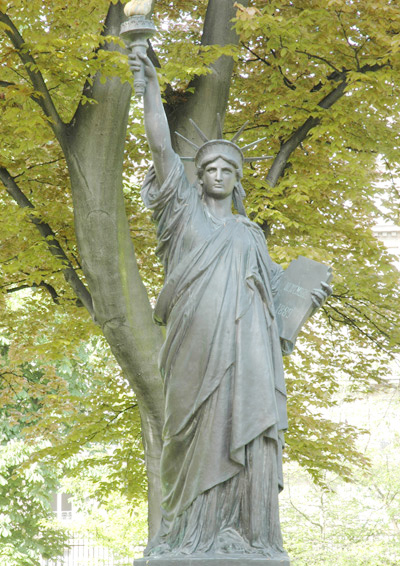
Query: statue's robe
{"points": [[221, 361]]}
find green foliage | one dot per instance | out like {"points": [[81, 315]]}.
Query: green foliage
{"points": [[59, 382], [25, 494], [347, 524], [324, 359], [116, 523], [74, 404], [80, 421]]}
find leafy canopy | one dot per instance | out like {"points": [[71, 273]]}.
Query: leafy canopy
{"points": [[318, 79]]}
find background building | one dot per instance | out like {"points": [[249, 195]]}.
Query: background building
{"points": [[389, 234]]}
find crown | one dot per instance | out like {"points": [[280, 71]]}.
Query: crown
{"points": [[211, 149]]}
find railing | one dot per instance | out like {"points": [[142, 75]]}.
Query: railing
{"points": [[83, 551]]}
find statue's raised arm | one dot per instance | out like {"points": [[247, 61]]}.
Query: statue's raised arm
{"points": [[155, 120]]}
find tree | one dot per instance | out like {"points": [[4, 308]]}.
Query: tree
{"points": [[115, 524], [346, 524], [65, 427], [25, 494], [319, 80]]}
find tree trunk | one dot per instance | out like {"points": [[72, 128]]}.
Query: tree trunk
{"points": [[121, 306], [211, 91], [95, 151]]}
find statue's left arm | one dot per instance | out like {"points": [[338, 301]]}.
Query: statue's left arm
{"points": [[319, 296]]}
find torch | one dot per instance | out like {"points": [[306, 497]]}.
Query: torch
{"points": [[136, 30]]}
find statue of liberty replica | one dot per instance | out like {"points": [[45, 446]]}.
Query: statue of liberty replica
{"points": [[225, 396]]}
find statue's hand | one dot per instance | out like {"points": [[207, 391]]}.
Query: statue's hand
{"points": [[137, 60], [319, 296]]}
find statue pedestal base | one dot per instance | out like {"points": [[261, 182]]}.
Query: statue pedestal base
{"points": [[212, 561]]}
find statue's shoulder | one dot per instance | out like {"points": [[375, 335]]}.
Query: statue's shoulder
{"points": [[250, 224]]}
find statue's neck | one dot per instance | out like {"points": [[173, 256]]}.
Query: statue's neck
{"points": [[220, 208]]}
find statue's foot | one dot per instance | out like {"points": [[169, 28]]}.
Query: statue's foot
{"points": [[157, 549], [230, 541]]}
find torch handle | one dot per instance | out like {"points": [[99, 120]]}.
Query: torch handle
{"points": [[139, 81]]}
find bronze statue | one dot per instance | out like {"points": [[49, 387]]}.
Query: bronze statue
{"points": [[221, 362]]}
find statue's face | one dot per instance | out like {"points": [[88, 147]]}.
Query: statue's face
{"points": [[219, 178]]}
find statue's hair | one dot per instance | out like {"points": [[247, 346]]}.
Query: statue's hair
{"points": [[211, 158]]}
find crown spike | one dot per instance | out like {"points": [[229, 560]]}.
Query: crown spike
{"points": [[250, 159], [186, 158], [196, 147], [220, 135], [246, 147], [201, 134], [236, 136]]}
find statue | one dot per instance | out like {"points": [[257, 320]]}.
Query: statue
{"points": [[221, 465]]}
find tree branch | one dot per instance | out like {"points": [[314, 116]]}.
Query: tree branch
{"points": [[368, 319], [286, 81], [258, 57], [43, 97], [211, 91], [301, 133], [345, 319], [37, 165], [5, 84], [112, 24], [49, 288], [300, 512], [323, 59], [53, 245]]}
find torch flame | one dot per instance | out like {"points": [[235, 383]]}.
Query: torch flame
{"points": [[137, 8]]}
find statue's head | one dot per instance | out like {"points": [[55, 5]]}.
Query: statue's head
{"points": [[218, 178], [219, 157], [224, 149]]}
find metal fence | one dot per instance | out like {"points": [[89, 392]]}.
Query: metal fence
{"points": [[83, 551]]}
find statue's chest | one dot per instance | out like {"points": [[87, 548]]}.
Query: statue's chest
{"points": [[203, 225]]}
